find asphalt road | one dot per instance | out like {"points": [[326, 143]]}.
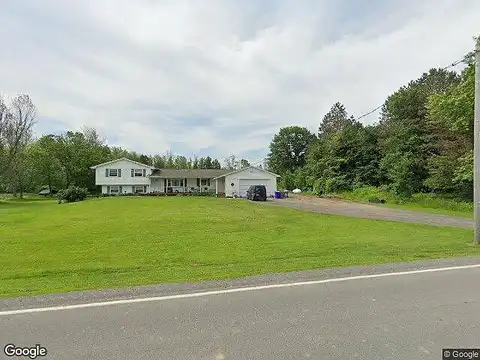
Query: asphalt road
{"points": [[410, 316], [373, 212]]}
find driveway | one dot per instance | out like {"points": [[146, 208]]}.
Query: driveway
{"points": [[351, 313], [346, 208]]}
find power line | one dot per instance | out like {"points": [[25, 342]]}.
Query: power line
{"points": [[455, 63], [370, 112]]}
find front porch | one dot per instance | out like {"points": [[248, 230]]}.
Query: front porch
{"points": [[187, 186]]}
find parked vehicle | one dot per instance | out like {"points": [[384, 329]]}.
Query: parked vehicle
{"points": [[46, 191], [257, 193]]}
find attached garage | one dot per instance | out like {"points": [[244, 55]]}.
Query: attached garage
{"points": [[244, 184], [238, 182]]}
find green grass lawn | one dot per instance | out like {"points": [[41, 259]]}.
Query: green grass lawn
{"points": [[113, 242]]}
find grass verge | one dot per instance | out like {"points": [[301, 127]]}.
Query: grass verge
{"points": [[419, 202], [114, 242]]}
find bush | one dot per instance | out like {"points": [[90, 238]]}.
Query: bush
{"points": [[72, 194], [336, 184]]}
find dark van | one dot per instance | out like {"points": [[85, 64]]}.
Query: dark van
{"points": [[257, 193]]}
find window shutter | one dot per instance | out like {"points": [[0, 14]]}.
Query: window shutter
{"points": [[144, 172], [198, 182], [131, 173], [144, 187], [119, 172], [106, 173], [108, 189]]}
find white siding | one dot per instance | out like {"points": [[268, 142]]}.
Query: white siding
{"points": [[125, 189], [221, 185], [157, 185], [251, 175], [126, 177], [192, 183]]}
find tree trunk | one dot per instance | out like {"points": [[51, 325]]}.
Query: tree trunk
{"points": [[49, 181]]}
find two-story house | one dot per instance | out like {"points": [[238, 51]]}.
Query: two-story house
{"points": [[126, 176]]}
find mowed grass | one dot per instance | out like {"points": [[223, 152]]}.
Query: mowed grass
{"points": [[116, 242]]}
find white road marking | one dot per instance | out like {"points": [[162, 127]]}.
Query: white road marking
{"points": [[230, 291]]}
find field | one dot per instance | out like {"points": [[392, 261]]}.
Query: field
{"points": [[114, 242]]}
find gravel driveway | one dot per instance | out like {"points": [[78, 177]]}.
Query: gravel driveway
{"points": [[347, 208]]}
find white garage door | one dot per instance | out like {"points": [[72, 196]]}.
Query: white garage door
{"points": [[244, 184]]}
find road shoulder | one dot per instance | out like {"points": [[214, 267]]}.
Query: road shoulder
{"points": [[82, 297]]}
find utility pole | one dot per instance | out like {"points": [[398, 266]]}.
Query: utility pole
{"points": [[476, 146]]}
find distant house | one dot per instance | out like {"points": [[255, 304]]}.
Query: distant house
{"points": [[128, 176]]}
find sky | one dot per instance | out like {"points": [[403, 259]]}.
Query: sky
{"points": [[219, 77]]}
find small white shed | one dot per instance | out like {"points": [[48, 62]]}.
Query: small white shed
{"points": [[237, 182]]}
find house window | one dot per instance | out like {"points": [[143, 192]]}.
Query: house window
{"points": [[139, 189], [139, 172], [175, 182], [205, 182], [114, 189], [113, 172]]}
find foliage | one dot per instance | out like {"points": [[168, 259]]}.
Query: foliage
{"points": [[418, 201], [335, 120], [343, 158], [405, 135], [16, 125], [64, 159], [455, 107], [288, 149], [368, 193], [423, 143], [244, 164], [72, 194]]}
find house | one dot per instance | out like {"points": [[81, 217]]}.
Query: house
{"points": [[128, 176]]}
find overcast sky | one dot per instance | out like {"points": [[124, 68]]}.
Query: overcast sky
{"points": [[219, 76]]}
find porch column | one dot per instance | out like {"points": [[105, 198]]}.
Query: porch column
{"points": [[216, 186]]}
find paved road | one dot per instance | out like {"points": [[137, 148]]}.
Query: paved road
{"points": [[409, 316], [347, 208]]}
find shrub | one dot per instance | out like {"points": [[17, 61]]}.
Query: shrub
{"points": [[336, 184], [72, 194]]}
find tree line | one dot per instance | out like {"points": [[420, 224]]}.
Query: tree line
{"points": [[423, 142], [58, 161]]}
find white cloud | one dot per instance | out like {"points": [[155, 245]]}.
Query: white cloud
{"points": [[138, 70]]}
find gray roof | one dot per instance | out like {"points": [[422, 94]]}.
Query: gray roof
{"points": [[188, 173], [246, 168]]}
